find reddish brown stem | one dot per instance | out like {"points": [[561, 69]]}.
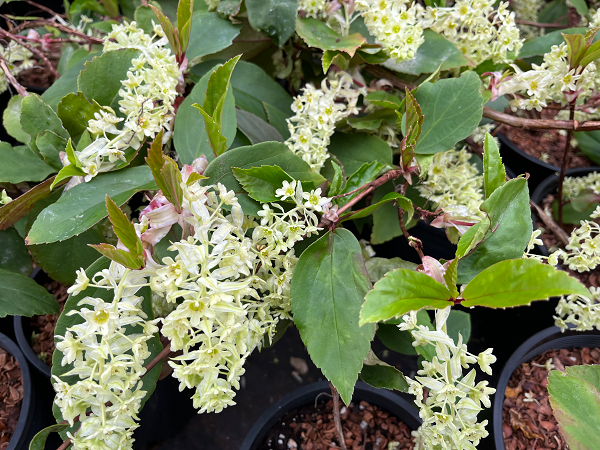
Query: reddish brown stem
{"points": [[58, 26], [9, 76], [65, 444], [414, 243], [336, 416], [549, 223], [158, 358], [563, 166], [33, 50], [540, 124]]}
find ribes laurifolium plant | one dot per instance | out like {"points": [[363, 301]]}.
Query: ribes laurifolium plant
{"points": [[195, 172]]}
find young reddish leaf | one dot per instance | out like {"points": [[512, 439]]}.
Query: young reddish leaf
{"points": [[120, 256], [123, 228], [576, 47]]}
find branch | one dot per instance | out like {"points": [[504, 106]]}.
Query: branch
{"points": [[413, 242], [158, 358], [43, 8], [560, 234], [58, 26], [65, 444], [540, 124], [33, 50], [336, 416], [9, 76]]}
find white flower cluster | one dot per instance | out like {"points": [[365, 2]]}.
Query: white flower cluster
{"points": [[453, 400], [479, 30], [454, 185], [17, 58], [581, 311], [230, 290], [573, 186], [527, 10], [316, 113], [146, 101], [312, 8], [223, 292], [595, 22], [108, 361], [550, 81], [582, 253], [480, 132], [396, 25]]}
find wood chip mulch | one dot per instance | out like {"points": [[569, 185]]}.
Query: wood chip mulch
{"points": [[11, 396], [365, 426], [528, 420], [549, 142], [42, 340]]}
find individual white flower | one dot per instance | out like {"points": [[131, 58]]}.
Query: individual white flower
{"points": [[314, 200], [4, 198], [81, 283], [287, 190]]}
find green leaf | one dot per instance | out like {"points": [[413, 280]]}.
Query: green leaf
{"points": [[21, 164], [39, 440], [392, 198], [576, 47], [338, 180], [50, 144], [83, 206], [20, 206], [316, 34], [185, 8], [65, 321], [414, 124], [328, 287], [14, 256], [507, 230], [75, 111], [378, 267], [209, 34], [494, 174], [262, 182], [519, 282], [67, 172], [543, 44], [383, 376], [589, 143], [122, 257], [554, 11], [144, 15], [11, 118], [169, 30], [123, 228], [218, 142], [101, 78], [190, 136], [395, 339], [575, 401], [67, 83], [22, 296], [384, 99], [459, 322], [401, 291], [263, 154], [218, 85], [452, 108], [365, 174], [60, 260], [434, 52], [385, 218], [37, 117], [255, 128], [274, 18], [335, 57], [353, 150]]}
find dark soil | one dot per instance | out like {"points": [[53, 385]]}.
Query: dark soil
{"points": [[529, 422], [550, 142], [365, 427], [38, 77], [42, 339], [11, 396]]}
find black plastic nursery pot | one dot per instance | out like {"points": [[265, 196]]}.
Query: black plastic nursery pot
{"points": [[548, 339], [520, 162], [23, 432], [306, 395], [23, 335]]}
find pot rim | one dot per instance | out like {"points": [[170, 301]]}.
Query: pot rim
{"points": [[506, 141], [383, 398], [25, 416], [549, 339]]}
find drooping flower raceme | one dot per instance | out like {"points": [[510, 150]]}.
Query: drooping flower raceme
{"points": [[582, 312], [312, 8], [147, 98], [479, 30], [108, 361], [395, 24], [17, 58], [453, 400], [454, 185], [316, 113], [550, 81], [573, 186]]}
